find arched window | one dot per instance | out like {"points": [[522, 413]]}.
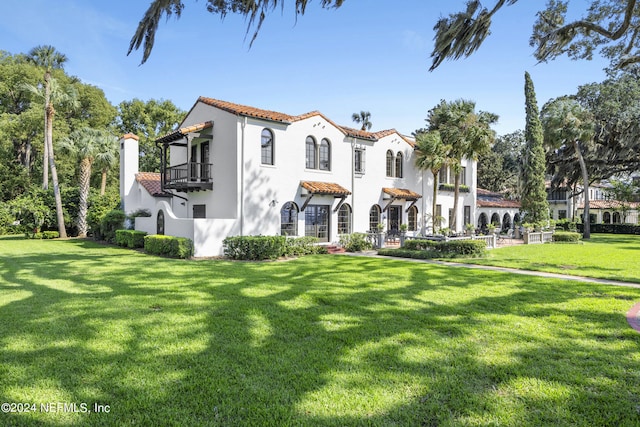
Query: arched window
{"points": [[389, 163], [266, 147], [310, 149], [344, 219], [606, 218], [399, 159], [374, 218], [412, 218], [325, 155], [160, 222], [289, 219]]}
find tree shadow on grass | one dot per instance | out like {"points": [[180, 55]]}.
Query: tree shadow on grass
{"points": [[315, 341]]}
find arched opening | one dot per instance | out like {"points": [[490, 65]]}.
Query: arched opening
{"points": [[289, 219], [374, 218], [617, 219], [160, 222], [506, 222], [606, 218], [483, 222], [344, 219], [495, 219]]}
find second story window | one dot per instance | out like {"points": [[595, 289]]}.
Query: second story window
{"points": [[310, 152], [399, 159], [266, 147], [325, 155], [358, 160], [389, 164]]}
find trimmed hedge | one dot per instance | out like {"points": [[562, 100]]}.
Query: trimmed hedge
{"points": [[46, 235], [130, 238], [612, 228], [566, 236], [170, 246], [427, 249], [257, 248]]}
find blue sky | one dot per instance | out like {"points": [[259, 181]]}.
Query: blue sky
{"points": [[362, 56]]}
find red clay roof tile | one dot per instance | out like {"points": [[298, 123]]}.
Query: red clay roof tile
{"points": [[402, 193], [316, 187]]}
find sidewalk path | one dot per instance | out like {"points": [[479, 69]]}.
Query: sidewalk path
{"points": [[633, 315]]}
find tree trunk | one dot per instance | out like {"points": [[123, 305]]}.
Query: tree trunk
{"points": [[47, 128], [85, 176], [586, 233], [54, 175], [103, 182]]}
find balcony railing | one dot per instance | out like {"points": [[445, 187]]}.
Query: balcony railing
{"points": [[189, 176]]}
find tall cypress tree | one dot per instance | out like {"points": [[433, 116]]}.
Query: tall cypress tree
{"points": [[534, 195]]}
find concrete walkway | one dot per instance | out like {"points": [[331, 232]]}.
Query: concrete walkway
{"points": [[633, 315]]}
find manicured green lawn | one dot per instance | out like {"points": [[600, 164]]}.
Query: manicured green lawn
{"points": [[605, 256], [320, 341]]}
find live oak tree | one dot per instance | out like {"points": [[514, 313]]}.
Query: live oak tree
{"points": [[612, 26], [255, 12]]}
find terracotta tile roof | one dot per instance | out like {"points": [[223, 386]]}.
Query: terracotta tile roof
{"points": [[608, 204], [499, 203], [182, 132], [275, 116], [374, 136], [131, 136], [316, 187], [402, 193], [150, 181]]}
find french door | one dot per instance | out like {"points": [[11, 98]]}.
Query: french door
{"points": [[316, 222]]}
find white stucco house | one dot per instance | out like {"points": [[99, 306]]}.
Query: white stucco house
{"points": [[232, 169]]}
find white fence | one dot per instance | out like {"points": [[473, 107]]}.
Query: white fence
{"points": [[538, 237]]}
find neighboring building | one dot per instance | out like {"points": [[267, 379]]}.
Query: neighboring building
{"points": [[493, 208], [237, 170], [603, 208]]}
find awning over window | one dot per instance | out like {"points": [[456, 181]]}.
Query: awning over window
{"points": [[402, 193], [312, 188], [324, 188]]}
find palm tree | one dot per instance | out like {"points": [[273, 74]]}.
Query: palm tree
{"points": [[49, 58], [565, 122], [87, 146], [467, 132], [56, 96], [362, 117], [106, 158], [432, 154]]}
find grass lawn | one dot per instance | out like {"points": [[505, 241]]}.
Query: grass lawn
{"points": [[605, 256], [317, 341]]}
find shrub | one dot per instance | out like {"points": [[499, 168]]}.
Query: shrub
{"points": [[44, 235], [255, 248], [6, 219], [99, 206], [112, 221], [130, 238], [299, 246], [613, 228], [170, 246], [419, 244], [566, 224], [426, 249], [355, 242], [566, 236]]}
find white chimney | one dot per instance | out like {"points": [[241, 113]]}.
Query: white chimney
{"points": [[129, 164]]}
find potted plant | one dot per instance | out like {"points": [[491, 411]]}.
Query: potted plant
{"points": [[403, 233], [470, 229]]}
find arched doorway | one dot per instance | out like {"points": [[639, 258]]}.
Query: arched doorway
{"points": [[506, 222], [606, 218], [483, 221], [495, 219]]}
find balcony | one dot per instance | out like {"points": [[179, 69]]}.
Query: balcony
{"points": [[188, 177]]}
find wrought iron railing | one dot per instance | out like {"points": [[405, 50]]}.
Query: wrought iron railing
{"points": [[187, 172]]}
